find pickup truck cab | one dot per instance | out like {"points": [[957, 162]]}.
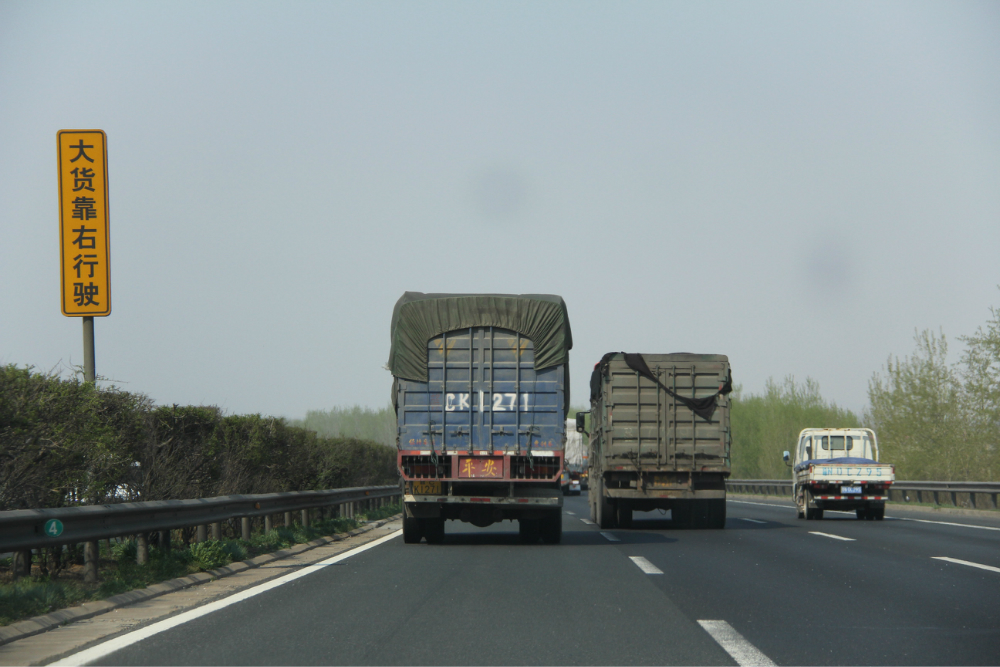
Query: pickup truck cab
{"points": [[838, 469]]}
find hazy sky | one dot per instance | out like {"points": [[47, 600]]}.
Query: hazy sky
{"points": [[796, 185]]}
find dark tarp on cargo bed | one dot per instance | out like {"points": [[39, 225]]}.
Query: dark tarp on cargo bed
{"points": [[418, 317]]}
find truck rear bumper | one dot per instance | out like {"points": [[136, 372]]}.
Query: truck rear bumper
{"points": [[686, 494], [555, 501]]}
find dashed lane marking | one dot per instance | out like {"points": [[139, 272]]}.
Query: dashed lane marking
{"points": [[568, 512], [833, 537], [967, 562], [95, 653], [588, 522], [610, 538], [747, 502], [645, 565], [752, 520], [735, 644]]}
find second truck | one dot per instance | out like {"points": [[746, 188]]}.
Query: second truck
{"points": [[660, 438]]}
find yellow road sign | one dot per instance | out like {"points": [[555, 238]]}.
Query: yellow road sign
{"points": [[83, 223]]}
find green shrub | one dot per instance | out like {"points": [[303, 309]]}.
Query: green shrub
{"points": [[210, 555]]}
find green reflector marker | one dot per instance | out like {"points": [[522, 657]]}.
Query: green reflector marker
{"points": [[53, 527]]}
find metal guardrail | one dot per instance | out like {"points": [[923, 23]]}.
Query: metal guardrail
{"points": [[25, 529], [974, 495]]}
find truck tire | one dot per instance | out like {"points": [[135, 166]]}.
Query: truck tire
{"points": [[862, 513], [411, 530], [528, 530], [433, 530], [717, 513], [800, 510], [551, 528], [605, 511], [623, 514], [680, 513], [811, 512], [879, 513]]}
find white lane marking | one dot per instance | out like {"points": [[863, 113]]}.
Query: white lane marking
{"points": [[645, 565], [949, 523], [568, 512], [735, 644], [751, 520], [610, 538], [835, 537], [97, 652], [747, 502], [588, 522], [967, 562]]}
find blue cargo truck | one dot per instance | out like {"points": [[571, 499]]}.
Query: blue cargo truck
{"points": [[481, 390]]}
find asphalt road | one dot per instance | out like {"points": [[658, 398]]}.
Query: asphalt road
{"points": [[878, 595]]}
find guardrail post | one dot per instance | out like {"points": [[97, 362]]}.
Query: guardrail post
{"points": [[141, 549], [305, 518], [91, 556], [288, 519], [245, 528], [201, 535], [163, 540], [268, 523], [22, 564], [217, 531]]}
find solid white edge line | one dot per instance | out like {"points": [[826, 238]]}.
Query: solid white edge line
{"points": [[645, 565], [948, 523], [967, 562], [735, 644], [610, 538], [834, 537], [96, 652], [888, 518]]}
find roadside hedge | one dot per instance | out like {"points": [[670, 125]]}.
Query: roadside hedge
{"points": [[64, 441]]}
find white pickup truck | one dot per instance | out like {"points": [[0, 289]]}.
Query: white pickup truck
{"points": [[838, 469]]}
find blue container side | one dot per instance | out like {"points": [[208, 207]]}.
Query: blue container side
{"points": [[483, 393]]}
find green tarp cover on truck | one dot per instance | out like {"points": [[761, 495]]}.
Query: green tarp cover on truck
{"points": [[419, 317]]}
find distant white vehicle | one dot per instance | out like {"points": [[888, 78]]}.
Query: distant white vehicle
{"points": [[838, 469]]}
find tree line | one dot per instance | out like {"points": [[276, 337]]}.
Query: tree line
{"points": [[64, 441], [934, 420]]}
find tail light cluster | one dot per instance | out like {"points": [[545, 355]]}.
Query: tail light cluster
{"points": [[422, 467]]}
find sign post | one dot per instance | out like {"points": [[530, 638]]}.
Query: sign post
{"points": [[84, 248]]}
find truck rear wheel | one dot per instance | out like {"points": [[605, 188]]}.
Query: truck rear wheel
{"points": [[433, 530], [528, 530], [605, 513], [862, 513], [551, 528], [680, 513], [716, 513], [411, 530], [623, 514], [879, 512]]}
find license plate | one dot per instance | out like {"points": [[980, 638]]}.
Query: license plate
{"points": [[850, 489], [427, 488]]}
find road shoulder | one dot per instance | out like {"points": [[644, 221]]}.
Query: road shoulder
{"points": [[44, 639]]}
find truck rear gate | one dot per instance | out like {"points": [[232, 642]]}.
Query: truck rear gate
{"points": [[655, 452], [482, 439]]}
